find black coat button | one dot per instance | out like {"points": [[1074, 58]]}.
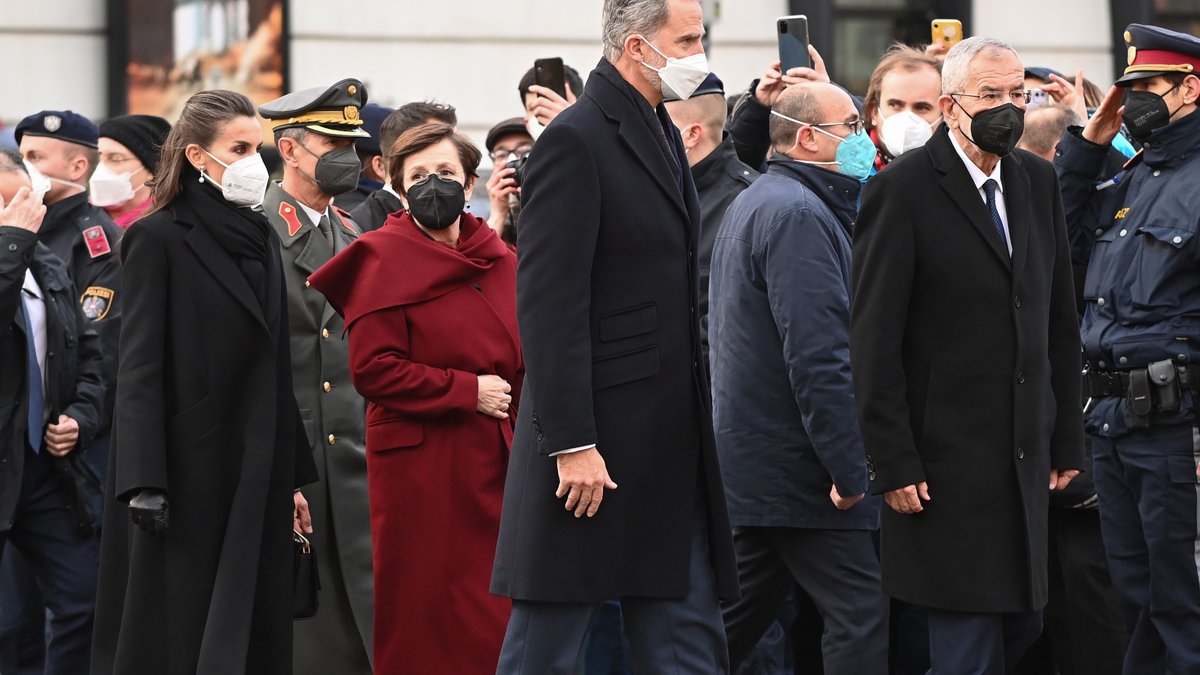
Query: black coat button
{"points": [[1017, 302], [1020, 453], [1020, 377]]}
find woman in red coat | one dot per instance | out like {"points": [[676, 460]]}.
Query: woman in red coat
{"points": [[429, 301]]}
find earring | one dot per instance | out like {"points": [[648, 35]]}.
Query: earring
{"points": [[201, 178], [468, 205]]}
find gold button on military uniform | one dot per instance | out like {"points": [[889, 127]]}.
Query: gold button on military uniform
{"points": [[332, 438], [327, 387], [324, 333], [307, 283]]}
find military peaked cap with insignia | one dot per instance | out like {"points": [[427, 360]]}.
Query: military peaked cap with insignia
{"points": [[335, 111], [61, 124], [1158, 51]]}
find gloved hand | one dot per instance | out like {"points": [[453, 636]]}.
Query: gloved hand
{"points": [[150, 511]]}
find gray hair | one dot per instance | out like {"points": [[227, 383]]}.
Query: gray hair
{"points": [[956, 67], [623, 18]]}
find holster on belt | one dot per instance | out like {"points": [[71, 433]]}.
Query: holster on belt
{"points": [[1138, 398], [1164, 379]]}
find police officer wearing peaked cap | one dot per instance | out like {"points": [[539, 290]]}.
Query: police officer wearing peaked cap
{"points": [[315, 131], [61, 148], [1141, 338]]}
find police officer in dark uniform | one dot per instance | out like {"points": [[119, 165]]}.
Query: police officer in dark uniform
{"points": [[1141, 339], [720, 176], [316, 131], [81, 235], [51, 404]]}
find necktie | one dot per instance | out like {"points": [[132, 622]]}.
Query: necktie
{"points": [[35, 409], [327, 229], [989, 189]]}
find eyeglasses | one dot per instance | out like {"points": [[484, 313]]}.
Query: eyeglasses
{"points": [[993, 98], [855, 127], [501, 155]]}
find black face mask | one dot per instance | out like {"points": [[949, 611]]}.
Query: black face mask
{"points": [[996, 130], [1146, 111], [337, 170], [436, 202]]}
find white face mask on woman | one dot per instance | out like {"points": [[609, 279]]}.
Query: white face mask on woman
{"points": [[245, 181], [107, 188], [904, 131]]}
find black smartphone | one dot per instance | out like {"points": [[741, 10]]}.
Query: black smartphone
{"points": [[549, 73], [792, 32]]}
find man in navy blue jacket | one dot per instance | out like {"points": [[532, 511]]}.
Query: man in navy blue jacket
{"points": [[783, 400]]}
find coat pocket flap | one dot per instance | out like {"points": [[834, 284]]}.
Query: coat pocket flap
{"points": [[1182, 469], [390, 433], [628, 323], [192, 423], [1170, 236], [627, 367]]}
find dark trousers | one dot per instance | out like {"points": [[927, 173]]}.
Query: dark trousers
{"points": [[22, 618], [65, 564], [971, 643], [1149, 503], [837, 569], [1085, 632], [680, 637]]}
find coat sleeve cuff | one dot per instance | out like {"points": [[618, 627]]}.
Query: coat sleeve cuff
{"points": [[895, 474]]}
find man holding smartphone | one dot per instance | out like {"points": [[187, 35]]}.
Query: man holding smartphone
{"points": [[616, 394]]}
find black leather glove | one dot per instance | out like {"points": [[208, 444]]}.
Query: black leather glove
{"points": [[150, 511]]}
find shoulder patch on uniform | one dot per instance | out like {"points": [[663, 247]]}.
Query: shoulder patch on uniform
{"points": [[288, 213], [344, 216], [95, 302], [97, 241]]}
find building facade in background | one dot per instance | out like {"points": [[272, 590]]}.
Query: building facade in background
{"points": [[104, 57]]}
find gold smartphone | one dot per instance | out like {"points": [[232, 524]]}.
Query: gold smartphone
{"points": [[946, 32]]}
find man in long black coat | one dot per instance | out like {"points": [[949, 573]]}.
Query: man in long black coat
{"points": [[966, 365], [615, 393]]}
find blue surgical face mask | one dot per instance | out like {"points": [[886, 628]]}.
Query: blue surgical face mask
{"points": [[855, 154]]}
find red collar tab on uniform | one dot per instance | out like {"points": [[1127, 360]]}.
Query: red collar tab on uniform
{"points": [[97, 241], [288, 213], [341, 215]]}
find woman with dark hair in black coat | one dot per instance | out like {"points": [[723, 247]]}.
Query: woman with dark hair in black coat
{"points": [[208, 446]]}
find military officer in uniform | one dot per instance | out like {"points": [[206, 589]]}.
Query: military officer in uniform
{"points": [[315, 131], [1141, 338]]}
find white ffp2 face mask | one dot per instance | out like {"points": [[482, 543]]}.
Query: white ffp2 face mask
{"points": [[680, 77], [107, 188], [904, 131], [245, 181]]}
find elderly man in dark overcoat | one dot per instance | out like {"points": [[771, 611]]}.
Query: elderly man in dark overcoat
{"points": [[966, 363], [613, 488]]}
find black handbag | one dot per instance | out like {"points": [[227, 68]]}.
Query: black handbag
{"points": [[306, 580]]}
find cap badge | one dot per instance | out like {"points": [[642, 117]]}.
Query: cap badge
{"points": [[52, 123], [351, 112], [352, 90], [1132, 54]]}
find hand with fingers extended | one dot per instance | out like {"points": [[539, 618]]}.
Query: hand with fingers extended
{"points": [[908, 500], [1106, 123], [582, 479], [150, 511], [494, 396], [773, 81], [1068, 94], [25, 211], [548, 104]]}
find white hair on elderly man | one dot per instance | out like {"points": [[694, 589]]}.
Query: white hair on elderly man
{"points": [[956, 68]]}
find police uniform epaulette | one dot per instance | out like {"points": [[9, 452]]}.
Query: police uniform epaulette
{"points": [[1133, 161]]}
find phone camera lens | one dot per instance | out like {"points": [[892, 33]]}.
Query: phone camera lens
{"points": [[783, 27]]}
